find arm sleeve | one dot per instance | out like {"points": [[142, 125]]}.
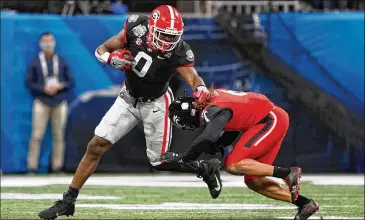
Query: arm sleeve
{"points": [[228, 138], [31, 77], [210, 135]]}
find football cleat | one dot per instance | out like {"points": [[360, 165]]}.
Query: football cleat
{"points": [[307, 211], [293, 182], [170, 157], [212, 178], [66, 207]]}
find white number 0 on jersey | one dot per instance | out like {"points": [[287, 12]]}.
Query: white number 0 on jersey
{"points": [[232, 92], [141, 72]]}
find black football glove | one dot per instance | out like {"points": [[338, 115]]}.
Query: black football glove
{"points": [[169, 157]]}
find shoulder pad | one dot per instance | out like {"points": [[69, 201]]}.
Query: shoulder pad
{"points": [[134, 20], [184, 53], [181, 48]]}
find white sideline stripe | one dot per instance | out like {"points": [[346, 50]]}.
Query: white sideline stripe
{"points": [[191, 206], [45, 196], [28, 196], [172, 16], [344, 198], [271, 129], [166, 180], [185, 206], [323, 217], [340, 182]]}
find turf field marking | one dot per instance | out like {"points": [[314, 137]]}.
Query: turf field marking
{"points": [[192, 206], [26, 196], [339, 206], [186, 206], [344, 198], [165, 180]]}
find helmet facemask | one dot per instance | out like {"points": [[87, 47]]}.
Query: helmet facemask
{"points": [[164, 40]]}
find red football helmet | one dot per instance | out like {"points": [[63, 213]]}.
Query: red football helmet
{"points": [[165, 28]]}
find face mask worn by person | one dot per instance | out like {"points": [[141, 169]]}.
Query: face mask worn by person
{"points": [[48, 46]]}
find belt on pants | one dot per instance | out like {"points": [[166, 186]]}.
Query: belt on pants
{"points": [[126, 93], [143, 100]]}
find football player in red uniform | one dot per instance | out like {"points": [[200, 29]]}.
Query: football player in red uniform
{"points": [[264, 126], [149, 49]]}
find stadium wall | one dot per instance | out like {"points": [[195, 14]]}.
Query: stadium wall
{"points": [[327, 48], [97, 86]]}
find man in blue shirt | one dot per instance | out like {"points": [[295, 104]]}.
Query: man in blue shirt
{"points": [[49, 79], [119, 8]]}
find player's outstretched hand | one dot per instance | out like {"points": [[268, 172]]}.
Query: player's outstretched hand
{"points": [[169, 157], [121, 59], [201, 93]]}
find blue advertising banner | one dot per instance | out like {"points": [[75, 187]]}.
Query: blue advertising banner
{"points": [[326, 48]]}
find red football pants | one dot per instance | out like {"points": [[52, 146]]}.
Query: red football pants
{"points": [[261, 142]]}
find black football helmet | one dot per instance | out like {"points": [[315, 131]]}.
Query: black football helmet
{"points": [[183, 113]]}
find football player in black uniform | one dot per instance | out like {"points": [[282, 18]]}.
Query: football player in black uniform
{"points": [[158, 51]]}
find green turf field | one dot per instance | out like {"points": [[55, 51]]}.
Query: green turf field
{"points": [[142, 202]]}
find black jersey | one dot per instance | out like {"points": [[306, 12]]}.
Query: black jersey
{"points": [[150, 75]]}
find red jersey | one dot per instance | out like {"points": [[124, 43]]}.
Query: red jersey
{"points": [[248, 107]]}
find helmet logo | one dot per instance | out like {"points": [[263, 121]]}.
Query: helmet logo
{"points": [[204, 115], [176, 121], [156, 15]]}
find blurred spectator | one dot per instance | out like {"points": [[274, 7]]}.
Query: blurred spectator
{"points": [[48, 79], [203, 6], [119, 8], [336, 4]]}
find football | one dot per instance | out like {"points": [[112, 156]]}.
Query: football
{"points": [[126, 54]]}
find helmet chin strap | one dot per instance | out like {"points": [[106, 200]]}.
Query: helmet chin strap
{"points": [[150, 42]]}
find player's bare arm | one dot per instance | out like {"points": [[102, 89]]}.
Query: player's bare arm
{"points": [[191, 77], [113, 43], [111, 52]]}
